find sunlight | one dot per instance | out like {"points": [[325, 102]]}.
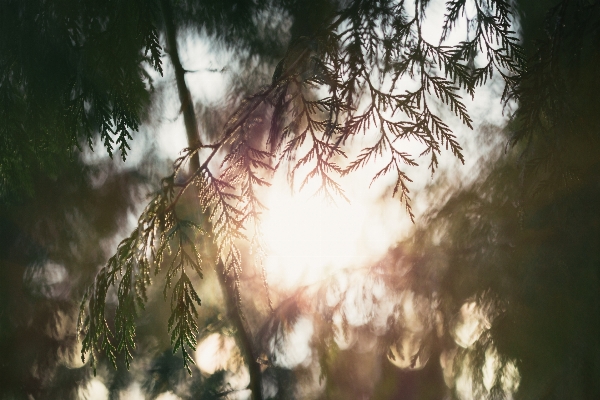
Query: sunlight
{"points": [[308, 238], [218, 352], [133, 392], [168, 395], [293, 349], [95, 389], [307, 235], [471, 323]]}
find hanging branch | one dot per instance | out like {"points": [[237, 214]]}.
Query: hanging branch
{"points": [[330, 87]]}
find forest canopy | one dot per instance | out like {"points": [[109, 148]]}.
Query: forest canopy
{"points": [[493, 294]]}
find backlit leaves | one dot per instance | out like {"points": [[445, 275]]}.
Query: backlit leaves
{"points": [[160, 236], [370, 71]]}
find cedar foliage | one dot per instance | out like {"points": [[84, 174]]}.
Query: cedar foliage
{"points": [[342, 79], [87, 78]]}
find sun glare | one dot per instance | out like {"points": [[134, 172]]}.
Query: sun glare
{"points": [[308, 238]]}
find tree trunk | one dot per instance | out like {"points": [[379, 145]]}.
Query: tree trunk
{"points": [[185, 97], [234, 313]]}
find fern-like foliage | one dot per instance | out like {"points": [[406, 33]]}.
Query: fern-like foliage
{"points": [[359, 60], [70, 72], [159, 232], [347, 79]]}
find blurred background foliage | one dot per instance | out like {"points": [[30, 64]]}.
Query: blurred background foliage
{"points": [[495, 294]]}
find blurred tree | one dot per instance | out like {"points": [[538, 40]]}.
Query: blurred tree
{"points": [[73, 70], [52, 245], [73, 74]]}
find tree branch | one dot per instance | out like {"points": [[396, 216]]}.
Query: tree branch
{"points": [[185, 97], [234, 311]]}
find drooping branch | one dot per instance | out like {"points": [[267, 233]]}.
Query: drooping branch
{"points": [[230, 293], [330, 87]]}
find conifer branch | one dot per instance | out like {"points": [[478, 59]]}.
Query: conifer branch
{"points": [[341, 82]]}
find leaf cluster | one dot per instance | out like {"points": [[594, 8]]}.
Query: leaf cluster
{"points": [[69, 71], [555, 127], [160, 237], [348, 76]]}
